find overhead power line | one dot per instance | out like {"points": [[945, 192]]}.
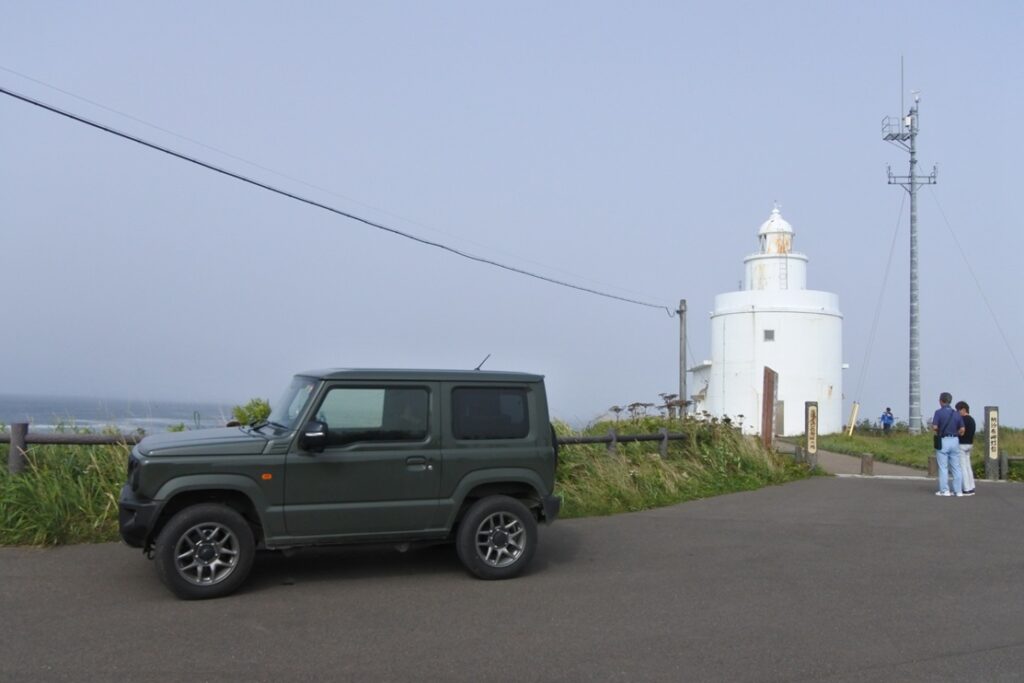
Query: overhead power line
{"points": [[299, 181], [878, 305], [977, 283], [325, 207]]}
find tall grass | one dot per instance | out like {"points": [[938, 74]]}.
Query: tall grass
{"points": [[67, 494], [711, 460]]}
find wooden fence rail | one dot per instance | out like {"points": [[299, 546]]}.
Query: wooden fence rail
{"points": [[613, 438], [20, 437]]}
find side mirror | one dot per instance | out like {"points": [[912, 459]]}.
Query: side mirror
{"points": [[314, 437]]}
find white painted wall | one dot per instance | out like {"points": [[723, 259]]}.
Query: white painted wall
{"points": [[806, 352], [769, 271], [805, 348]]}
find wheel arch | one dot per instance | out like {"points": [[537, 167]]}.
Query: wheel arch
{"points": [[239, 493], [523, 485]]}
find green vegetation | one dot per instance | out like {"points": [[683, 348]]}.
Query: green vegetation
{"points": [[903, 448], [255, 410], [712, 460], [68, 494], [900, 448]]}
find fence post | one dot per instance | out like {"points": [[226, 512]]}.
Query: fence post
{"points": [[1004, 465], [664, 442], [933, 465], [867, 464], [16, 456], [614, 441]]}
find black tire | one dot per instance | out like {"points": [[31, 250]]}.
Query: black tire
{"points": [[497, 538], [204, 551]]}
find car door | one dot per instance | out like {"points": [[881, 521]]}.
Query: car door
{"points": [[380, 471]]}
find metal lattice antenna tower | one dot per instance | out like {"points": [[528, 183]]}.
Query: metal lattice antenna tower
{"points": [[903, 132]]}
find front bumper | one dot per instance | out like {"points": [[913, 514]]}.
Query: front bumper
{"points": [[135, 517]]}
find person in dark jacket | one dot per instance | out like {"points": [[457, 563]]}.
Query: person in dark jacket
{"points": [[966, 444]]}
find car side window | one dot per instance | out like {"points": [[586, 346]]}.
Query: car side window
{"points": [[354, 414], [490, 413]]}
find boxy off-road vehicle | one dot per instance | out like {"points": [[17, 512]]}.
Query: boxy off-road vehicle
{"points": [[350, 456]]}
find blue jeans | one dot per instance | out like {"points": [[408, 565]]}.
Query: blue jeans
{"points": [[948, 459]]}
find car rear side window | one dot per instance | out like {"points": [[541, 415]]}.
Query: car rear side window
{"points": [[490, 413]]}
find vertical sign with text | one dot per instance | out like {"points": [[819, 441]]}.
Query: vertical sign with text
{"points": [[992, 442], [811, 426]]}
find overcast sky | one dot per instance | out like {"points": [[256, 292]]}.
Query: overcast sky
{"points": [[634, 148]]}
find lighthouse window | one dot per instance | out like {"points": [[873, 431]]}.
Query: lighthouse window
{"points": [[769, 335]]}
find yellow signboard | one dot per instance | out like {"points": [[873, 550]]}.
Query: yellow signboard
{"points": [[812, 428]]}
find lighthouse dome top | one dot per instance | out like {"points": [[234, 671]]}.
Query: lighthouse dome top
{"points": [[775, 223], [776, 234]]}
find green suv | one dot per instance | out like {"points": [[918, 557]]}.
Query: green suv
{"points": [[351, 456]]}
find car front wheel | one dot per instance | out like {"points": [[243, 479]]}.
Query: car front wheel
{"points": [[204, 551]]}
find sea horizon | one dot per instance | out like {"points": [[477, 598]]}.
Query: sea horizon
{"points": [[56, 412]]}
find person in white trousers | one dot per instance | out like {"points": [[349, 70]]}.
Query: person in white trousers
{"points": [[966, 444]]}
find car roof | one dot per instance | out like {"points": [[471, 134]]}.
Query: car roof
{"points": [[423, 375]]}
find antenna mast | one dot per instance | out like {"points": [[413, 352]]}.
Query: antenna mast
{"points": [[903, 133]]}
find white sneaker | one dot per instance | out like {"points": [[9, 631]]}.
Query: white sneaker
{"points": [[959, 495], [943, 493]]}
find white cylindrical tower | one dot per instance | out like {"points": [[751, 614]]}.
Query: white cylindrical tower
{"points": [[776, 321]]}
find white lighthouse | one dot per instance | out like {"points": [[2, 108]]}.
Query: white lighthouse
{"points": [[774, 321]]}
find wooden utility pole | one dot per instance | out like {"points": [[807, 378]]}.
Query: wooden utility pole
{"points": [[682, 358]]}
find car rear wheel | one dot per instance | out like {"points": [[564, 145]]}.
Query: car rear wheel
{"points": [[204, 551], [497, 538]]}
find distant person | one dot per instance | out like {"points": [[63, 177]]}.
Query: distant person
{"points": [[948, 426], [966, 444], [887, 420]]}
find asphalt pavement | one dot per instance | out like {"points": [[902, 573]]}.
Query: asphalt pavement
{"points": [[828, 579]]}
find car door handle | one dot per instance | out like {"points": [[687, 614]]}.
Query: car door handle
{"points": [[418, 463]]}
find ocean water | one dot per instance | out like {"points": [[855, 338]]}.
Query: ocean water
{"points": [[47, 413]]}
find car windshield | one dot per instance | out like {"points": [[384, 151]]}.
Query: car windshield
{"points": [[285, 413]]}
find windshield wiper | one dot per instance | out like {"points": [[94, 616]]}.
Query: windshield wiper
{"points": [[257, 425], [260, 424]]}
